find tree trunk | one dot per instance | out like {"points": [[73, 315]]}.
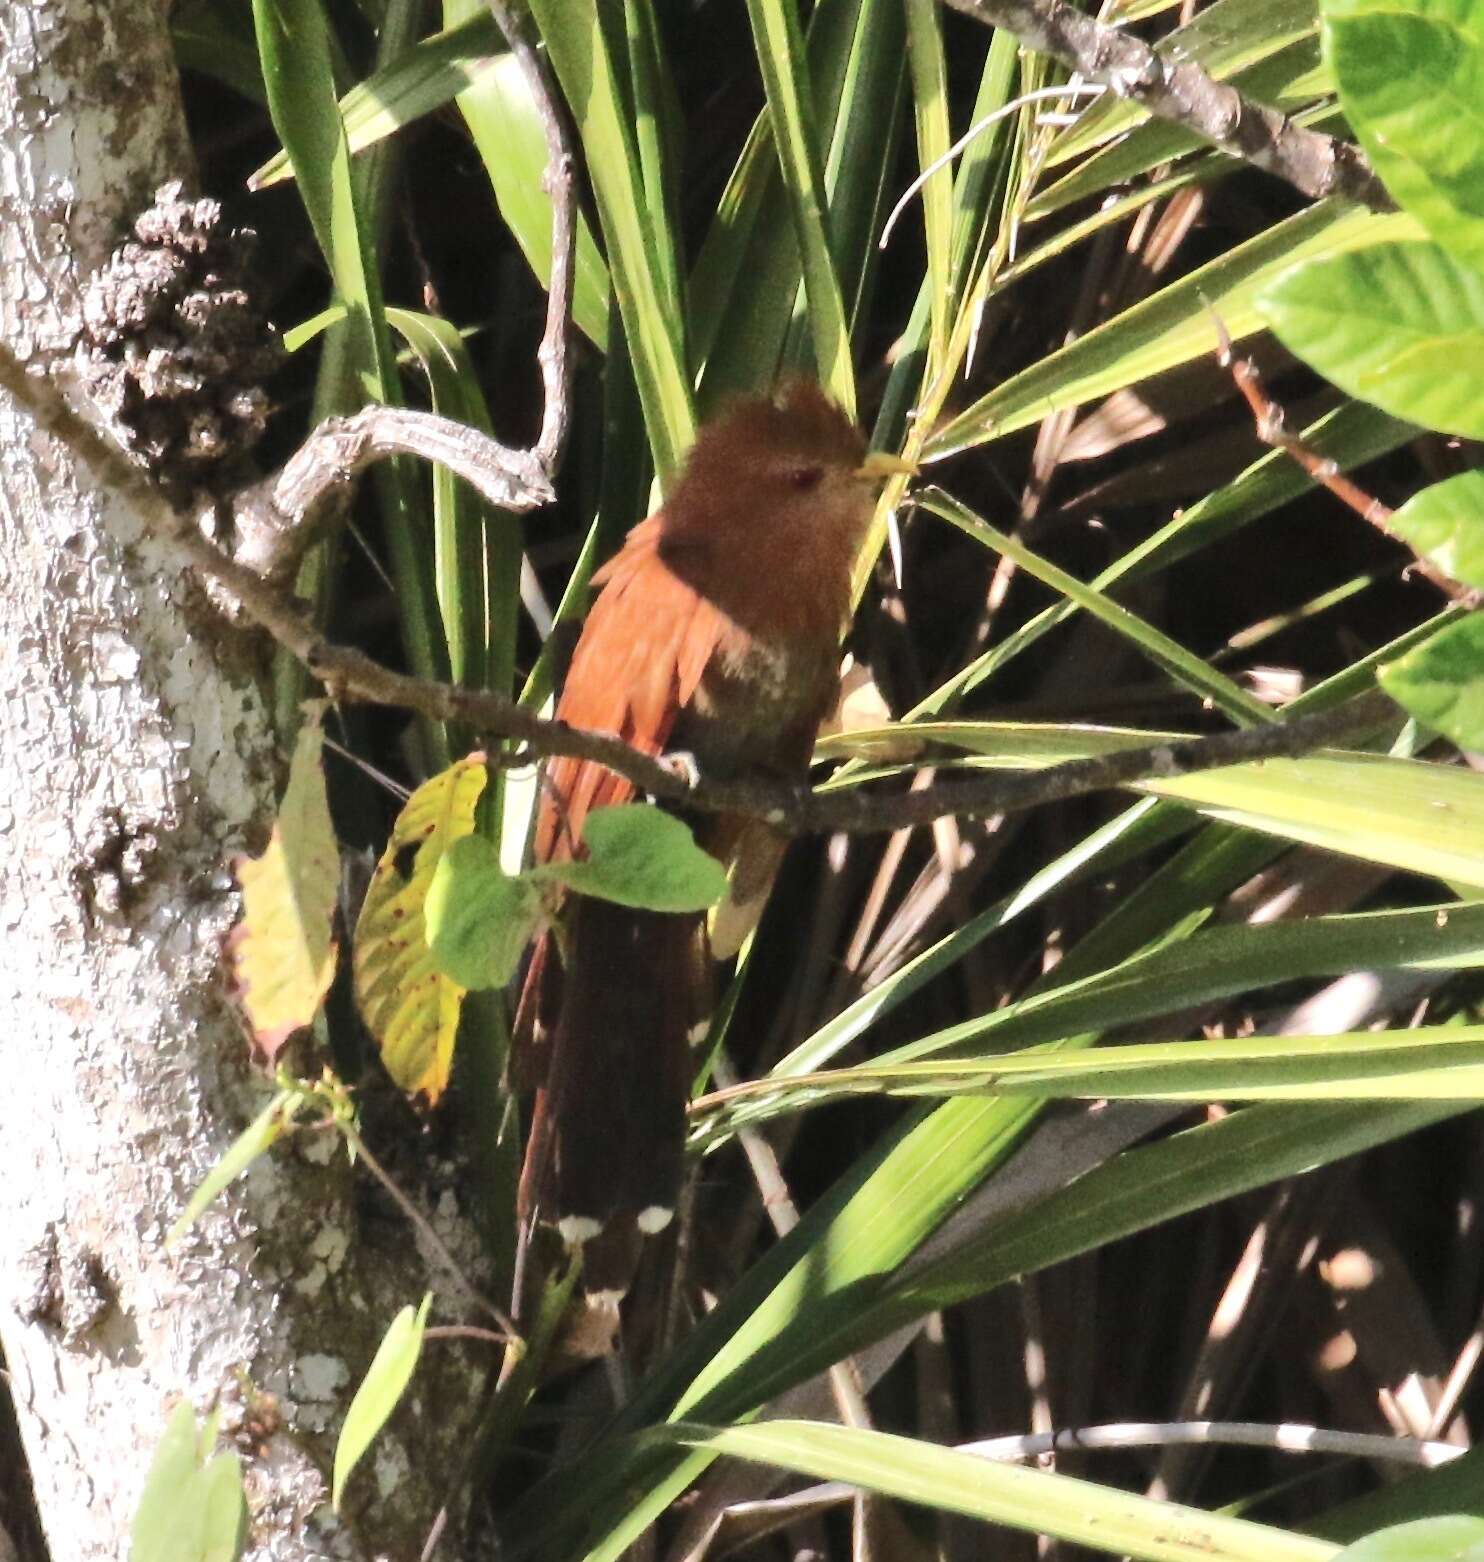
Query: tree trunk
{"points": [[135, 762]]}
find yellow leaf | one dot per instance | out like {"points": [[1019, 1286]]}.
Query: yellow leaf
{"points": [[408, 1004], [283, 950]]}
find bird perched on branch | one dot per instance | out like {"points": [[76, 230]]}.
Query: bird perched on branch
{"points": [[717, 634]]}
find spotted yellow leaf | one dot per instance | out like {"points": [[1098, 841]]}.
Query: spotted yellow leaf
{"points": [[408, 1004]]}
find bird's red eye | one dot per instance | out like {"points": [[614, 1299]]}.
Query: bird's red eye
{"points": [[803, 478]]}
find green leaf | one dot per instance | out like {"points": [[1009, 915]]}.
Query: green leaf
{"points": [[639, 241], [1414, 815], [419, 80], [1443, 1492], [217, 41], [1025, 1499], [1444, 524], [640, 856], [502, 118], [1441, 682], [478, 917], [780, 52], [295, 45], [1399, 325], [1411, 80], [1454, 1537], [385, 1382], [1410, 1065], [1169, 328], [408, 1004], [930, 105], [256, 1139], [189, 1511], [1167, 654]]}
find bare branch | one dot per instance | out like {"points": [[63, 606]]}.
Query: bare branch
{"points": [[560, 184], [350, 675], [276, 521], [1317, 164]]}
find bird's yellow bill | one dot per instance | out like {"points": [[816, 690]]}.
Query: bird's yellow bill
{"points": [[877, 467], [881, 464]]}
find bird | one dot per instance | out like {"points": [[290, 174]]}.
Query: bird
{"points": [[715, 635]]}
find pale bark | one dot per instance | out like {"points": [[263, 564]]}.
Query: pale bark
{"points": [[135, 761]]}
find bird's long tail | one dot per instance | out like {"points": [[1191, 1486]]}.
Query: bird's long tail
{"points": [[603, 1159]]}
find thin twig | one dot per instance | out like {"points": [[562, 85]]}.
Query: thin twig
{"points": [[1184, 94], [435, 1243], [1267, 415]]}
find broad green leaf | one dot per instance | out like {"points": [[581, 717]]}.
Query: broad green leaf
{"points": [[1025, 1499], [1171, 327], [256, 1139], [192, 1508], [1399, 325], [176, 1459], [1454, 1537], [385, 1382], [641, 856], [1444, 524], [479, 918], [283, 951], [408, 1004], [1411, 80], [1441, 682], [1448, 1490]]}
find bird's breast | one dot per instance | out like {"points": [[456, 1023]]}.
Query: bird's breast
{"points": [[759, 704]]}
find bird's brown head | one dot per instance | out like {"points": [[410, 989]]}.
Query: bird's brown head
{"points": [[789, 466]]}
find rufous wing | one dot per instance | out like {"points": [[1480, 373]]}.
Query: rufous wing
{"points": [[643, 650]]}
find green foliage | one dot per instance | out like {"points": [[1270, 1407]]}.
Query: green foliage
{"points": [[638, 856], [1455, 1538], [1402, 325], [192, 1507], [1442, 682], [1044, 282], [385, 1382], [479, 917], [1443, 525], [1411, 78]]}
